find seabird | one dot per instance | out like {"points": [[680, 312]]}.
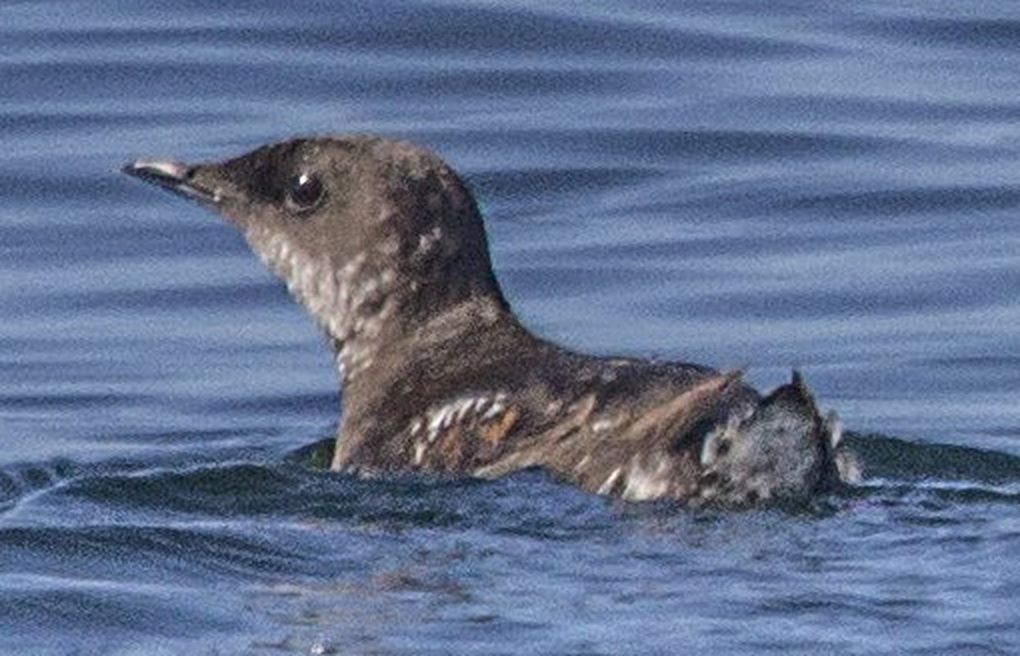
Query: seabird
{"points": [[384, 245]]}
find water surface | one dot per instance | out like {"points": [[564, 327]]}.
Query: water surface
{"points": [[827, 186]]}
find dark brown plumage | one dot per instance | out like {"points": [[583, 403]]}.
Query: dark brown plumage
{"points": [[383, 244]]}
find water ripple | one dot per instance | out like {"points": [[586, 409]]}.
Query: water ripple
{"points": [[827, 186]]}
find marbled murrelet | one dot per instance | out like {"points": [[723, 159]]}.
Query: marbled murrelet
{"points": [[383, 244]]}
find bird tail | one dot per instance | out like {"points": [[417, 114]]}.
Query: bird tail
{"points": [[782, 448]]}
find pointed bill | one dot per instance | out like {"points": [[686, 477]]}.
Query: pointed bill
{"points": [[175, 177]]}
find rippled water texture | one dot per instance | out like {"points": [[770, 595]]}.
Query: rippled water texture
{"points": [[831, 186]]}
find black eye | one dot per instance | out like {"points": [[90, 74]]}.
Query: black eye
{"points": [[305, 192]]}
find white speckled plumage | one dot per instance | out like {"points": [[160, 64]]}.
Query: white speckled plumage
{"points": [[386, 250]]}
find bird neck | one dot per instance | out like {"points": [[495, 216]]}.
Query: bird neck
{"points": [[390, 373]]}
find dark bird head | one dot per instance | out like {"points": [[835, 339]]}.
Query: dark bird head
{"points": [[371, 235]]}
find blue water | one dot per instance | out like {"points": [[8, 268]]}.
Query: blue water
{"points": [[832, 186]]}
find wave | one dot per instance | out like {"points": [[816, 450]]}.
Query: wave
{"points": [[942, 471]]}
